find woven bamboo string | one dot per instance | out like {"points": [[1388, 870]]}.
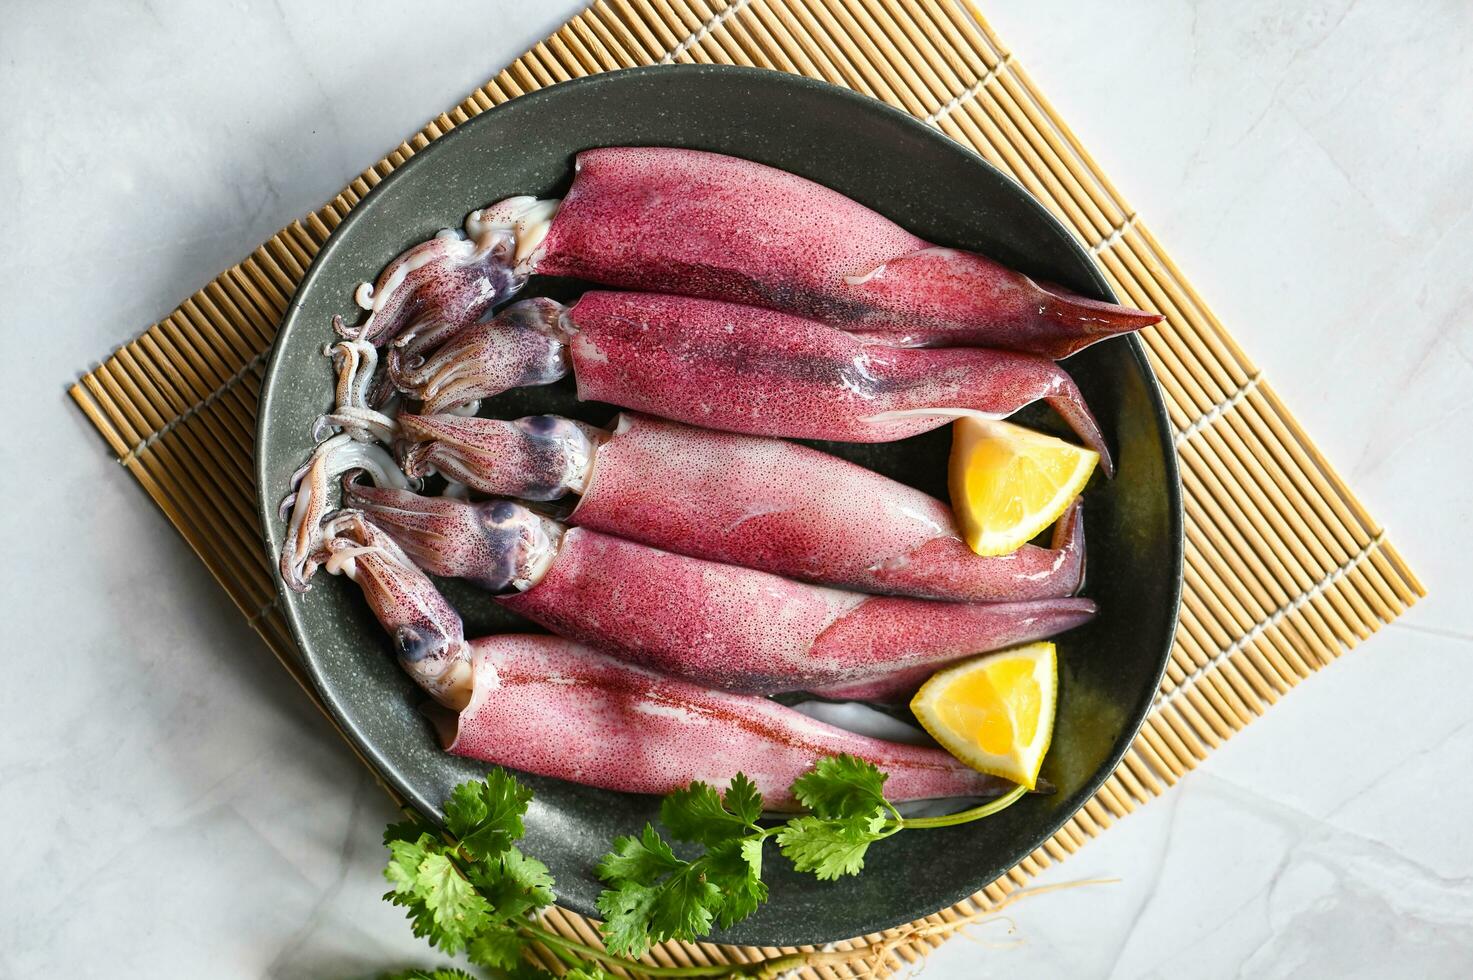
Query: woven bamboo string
{"points": [[1284, 568]]}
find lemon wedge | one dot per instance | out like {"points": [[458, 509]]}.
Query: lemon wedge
{"points": [[1008, 483], [996, 712]]}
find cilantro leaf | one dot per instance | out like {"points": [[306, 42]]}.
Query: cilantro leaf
{"points": [[405, 857], [469, 887], [499, 947], [459, 912], [655, 895], [751, 851], [441, 905], [697, 813], [626, 911], [408, 829], [521, 970], [743, 799], [683, 906], [830, 848], [686, 905], [486, 816], [841, 786], [735, 867], [639, 859], [513, 884]]}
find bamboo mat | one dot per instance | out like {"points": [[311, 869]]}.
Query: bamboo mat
{"points": [[1285, 570]]}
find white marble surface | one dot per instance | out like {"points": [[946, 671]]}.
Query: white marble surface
{"points": [[184, 812]]}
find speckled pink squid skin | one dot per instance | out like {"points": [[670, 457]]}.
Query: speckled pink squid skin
{"points": [[550, 706], [761, 372], [798, 512], [704, 224], [739, 629]]}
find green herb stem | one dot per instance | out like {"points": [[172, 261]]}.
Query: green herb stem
{"points": [[552, 939], [966, 816]]}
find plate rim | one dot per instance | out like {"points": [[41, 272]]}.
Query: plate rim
{"points": [[267, 504]]}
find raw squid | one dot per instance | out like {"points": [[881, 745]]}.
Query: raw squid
{"points": [[306, 505], [606, 723], [743, 500], [737, 368], [704, 224], [436, 288], [427, 632], [722, 626], [545, 705]]}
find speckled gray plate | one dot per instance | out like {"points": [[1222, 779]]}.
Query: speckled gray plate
{"points": [[901, 168]]}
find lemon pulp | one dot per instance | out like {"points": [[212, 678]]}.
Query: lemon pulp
{"points": [[1008, 483], [995, 712]]}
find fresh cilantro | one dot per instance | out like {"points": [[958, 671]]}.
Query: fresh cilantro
{"points": [[698, 814], [486, 817], [842, 786], [640, 860], [514, 884], [497, 946], [831, 848], [849, 812], [588, 973], [470, 888], [459, 911], [685, 904], [405, 857], [679, 904], [736, 868], [627, 910], [442, 905], [655, 895], [521, 970]]}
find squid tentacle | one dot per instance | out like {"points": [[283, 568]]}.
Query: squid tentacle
{"points": [[524, 219], [498, 545], [308, 502], [541, 457], [448, 281], [356, 362], [523, 345], [723, 626]]}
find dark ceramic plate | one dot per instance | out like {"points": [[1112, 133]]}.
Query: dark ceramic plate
{"points": [[901, 168]]}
